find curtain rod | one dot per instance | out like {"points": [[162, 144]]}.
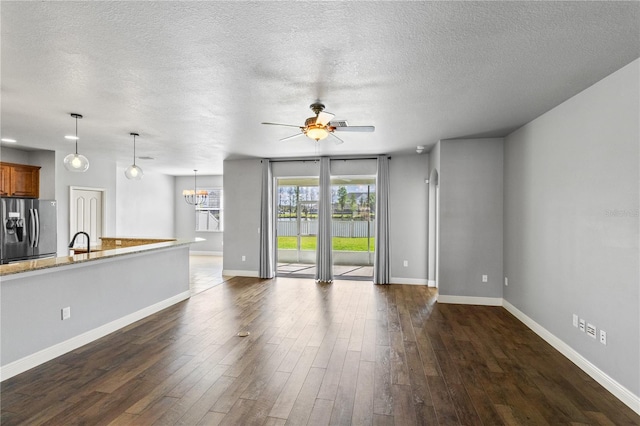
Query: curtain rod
{"points": [[314, 159]]}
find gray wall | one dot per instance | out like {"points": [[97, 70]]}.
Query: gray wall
{"points": [[145, 208], [408, 207], [571, 222], [12, 155], [98, 292], [471, 217], [242, 183], [185, 218]]}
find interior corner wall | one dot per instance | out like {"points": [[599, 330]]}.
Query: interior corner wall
{"points": [[408, 221], [471, 194], [144, 208], [242, 186], [571, 222], [185, 217]]}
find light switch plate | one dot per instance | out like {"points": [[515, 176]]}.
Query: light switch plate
{"points": [[591, 330]]}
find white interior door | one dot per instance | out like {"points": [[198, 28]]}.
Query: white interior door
{"points": [[86, 214]]}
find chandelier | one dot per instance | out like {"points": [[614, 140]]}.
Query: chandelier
{"points": [[193, 196]]}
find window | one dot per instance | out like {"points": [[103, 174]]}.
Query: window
{"points": [[209, 215]]}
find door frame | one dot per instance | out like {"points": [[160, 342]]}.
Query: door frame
{"points": [[103, 191]]}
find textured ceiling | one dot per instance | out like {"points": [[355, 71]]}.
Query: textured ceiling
{"points": [[195, 79]]}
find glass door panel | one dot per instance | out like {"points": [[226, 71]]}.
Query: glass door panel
{"points": [[352, 227], [297, 225]]}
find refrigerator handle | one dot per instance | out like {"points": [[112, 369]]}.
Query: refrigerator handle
{"points": [[37, 216], [32, 228]]}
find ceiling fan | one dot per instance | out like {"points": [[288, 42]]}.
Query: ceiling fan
{"points": [[320, 126]]}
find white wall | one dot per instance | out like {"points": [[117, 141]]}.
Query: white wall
{"points": [[571, 222], [471, 196], [145, 208], [185, 218]]}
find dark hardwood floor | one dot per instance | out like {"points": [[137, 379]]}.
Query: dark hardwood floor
{"points": [[345, 353]]}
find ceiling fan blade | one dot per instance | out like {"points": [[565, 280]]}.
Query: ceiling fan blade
{"points": [[355, 129], [337, 140], [280, 124], [291, 137], [324, 118]]}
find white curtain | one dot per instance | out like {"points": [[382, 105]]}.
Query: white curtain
{"points": [[381, 261], [267, 234], [324, 258]]}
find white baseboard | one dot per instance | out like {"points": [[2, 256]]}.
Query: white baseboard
{"points": [[409, 281], [205, 253], [47, 354], [238, 273], [431, 283], [619, 391], [470, 300]]}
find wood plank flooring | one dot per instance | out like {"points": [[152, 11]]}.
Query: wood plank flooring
{"points": [[342, 353]]}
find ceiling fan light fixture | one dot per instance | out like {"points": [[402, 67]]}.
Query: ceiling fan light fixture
{"points": [[76, 162], [317, 132]]}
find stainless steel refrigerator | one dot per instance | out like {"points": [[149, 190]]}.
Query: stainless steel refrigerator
{"points": [[28, 229]]}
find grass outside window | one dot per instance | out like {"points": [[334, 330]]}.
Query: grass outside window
{"points": [[339, 243]]}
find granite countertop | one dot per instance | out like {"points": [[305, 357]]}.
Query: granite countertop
{"points": [[54, 262]]}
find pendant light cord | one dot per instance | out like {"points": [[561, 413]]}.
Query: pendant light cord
{"points": [[76, 135], [134, 150]]}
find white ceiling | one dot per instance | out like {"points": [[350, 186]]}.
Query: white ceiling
{"points": [[195, 79]]}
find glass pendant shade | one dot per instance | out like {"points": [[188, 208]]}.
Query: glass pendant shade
{"points": [[76, 163], [134, 172]]}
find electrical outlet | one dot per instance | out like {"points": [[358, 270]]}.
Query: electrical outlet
{"points": [[603, 337], [506, 281], [244, 258], [405, 263], [591, 330], [582, 325], [485, 278], [66, 313], [575, 320]]}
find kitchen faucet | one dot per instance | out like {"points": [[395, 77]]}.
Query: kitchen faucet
{"points": [[73, 240]]}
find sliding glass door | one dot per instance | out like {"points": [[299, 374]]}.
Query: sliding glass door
{"points": [[297, 225], [353, 230], [352, 225]]}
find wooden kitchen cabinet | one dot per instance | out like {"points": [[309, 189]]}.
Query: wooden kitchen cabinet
{"points": [[19, 180]]}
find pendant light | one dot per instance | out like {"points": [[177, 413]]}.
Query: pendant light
{"points": [[76, 162], [134, 172], [193, 196]]}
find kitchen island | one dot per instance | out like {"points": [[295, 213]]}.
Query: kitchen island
{"points": [[53, 306]]}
